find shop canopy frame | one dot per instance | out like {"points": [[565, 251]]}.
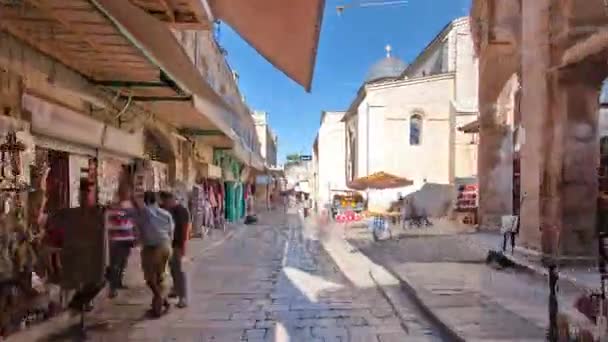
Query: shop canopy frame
{"points": [[118, 45]]}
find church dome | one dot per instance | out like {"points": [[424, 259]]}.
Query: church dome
{"points": [[387, 68]]}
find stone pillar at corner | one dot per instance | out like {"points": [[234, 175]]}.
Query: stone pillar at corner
{"points": [[573, 160], [560, 155], [535, 64], [496, 114]]}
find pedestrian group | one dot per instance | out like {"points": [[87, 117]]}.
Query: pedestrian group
{"points": [[161, 227]]}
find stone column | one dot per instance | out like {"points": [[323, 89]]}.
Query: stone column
{"points": [[495, 165], [535, 113], [574, 159]]}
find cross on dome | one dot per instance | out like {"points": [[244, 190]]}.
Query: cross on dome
{"points": [[388, 49]]}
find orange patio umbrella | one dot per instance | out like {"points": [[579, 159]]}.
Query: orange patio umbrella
{"points": [[379, 180]]}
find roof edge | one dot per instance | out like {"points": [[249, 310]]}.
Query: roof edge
{"points": [[439, 37]]}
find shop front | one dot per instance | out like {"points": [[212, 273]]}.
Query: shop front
{"points": [[74, 146], [45, 164], [207, 203], [234, 188], [158, 170]]}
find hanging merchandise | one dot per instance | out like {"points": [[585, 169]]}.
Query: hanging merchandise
{"points": [[108, 178], [196, 210], [231, 168], [17, 254], [180, 191], [240, 201], [215, 197], [208, 219]]}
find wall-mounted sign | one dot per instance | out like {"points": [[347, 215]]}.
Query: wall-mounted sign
{"points": [[305, 158]]}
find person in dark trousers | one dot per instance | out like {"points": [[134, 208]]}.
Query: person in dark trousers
{"points": [[181, 217], [120, 224]]}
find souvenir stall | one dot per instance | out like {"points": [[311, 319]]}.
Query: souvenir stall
{"points": [[198, 209], [114, 168], [207, 205], [235, 208], [467, 203], [233, 187], [159, 159], [22, 293], [111, 171], [69, 141], [379, 221], [65, 146], [247, 178]]}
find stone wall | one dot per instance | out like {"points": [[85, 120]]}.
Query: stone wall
{"points": [[331, 158]]}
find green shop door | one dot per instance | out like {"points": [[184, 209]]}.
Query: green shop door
{"points": [[240, 201], [231, 201]]}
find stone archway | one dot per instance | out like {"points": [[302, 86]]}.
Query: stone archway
{"points": [[496, 29], [497, 106]]}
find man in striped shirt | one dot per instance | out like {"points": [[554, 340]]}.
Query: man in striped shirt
{"points": [[120, 224]]}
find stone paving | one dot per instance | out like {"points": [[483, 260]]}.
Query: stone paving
{"points": [[278, 281], [448, 274], [585, 277]]}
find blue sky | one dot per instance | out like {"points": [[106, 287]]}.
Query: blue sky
{"points": [[349, 45]]}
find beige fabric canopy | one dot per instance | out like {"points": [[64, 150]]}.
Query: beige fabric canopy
{"points": [[285, 32]]}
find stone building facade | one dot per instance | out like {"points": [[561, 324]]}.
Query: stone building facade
{"points": [[405, 122]]}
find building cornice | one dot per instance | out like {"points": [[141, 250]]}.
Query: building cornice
{"points": [[352, 109]]}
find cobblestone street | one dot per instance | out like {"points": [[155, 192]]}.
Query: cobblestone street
{"points": [[274, 281]]}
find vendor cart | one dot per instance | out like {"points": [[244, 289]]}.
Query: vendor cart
{"points": [[379, 222]]}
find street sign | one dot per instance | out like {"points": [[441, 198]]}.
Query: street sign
{"points": [[305, 158]]}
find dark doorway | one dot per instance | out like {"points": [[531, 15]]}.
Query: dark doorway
{"points": [[58, 181]]}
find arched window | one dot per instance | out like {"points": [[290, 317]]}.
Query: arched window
{"points": [[604, 93], [415, 129]]}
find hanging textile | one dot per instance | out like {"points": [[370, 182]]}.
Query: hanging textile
{"points": [[58, 180], [84, 255], [208, 218], [197, 209]]}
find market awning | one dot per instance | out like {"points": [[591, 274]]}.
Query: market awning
{"points": [[79, 36], [181, 14], [471, 127], [285, 32], [112, 43], [159, 45]]}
